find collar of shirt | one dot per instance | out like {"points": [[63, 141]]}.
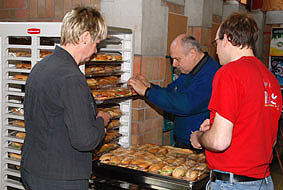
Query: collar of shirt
{"points": [[61, 52], [200, 64]]}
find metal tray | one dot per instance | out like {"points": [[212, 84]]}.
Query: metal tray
{"points": [[155, 181]]}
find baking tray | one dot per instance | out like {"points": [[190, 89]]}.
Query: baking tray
{"points": [[115, 99], [146, 178], [92, 62]]}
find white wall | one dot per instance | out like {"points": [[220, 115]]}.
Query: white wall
{"points": [[125, 14], [155, 27], [147, 18]]}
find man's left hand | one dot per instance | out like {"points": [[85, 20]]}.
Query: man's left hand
{"points": [[195, 139]]}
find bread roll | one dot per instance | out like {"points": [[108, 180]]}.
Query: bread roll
{"points": [[15, 156], [16, 145], [115, 160], [179, 172], [167, 170], [154, 168], [21, 135], [105, 158], [191, 175], [18, 111], [20, 77], [18, 123]]}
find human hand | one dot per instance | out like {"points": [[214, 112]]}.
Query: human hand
{"points": [[205, 126], [144, 80], [137, 85], [195, 139], [105, 115]]}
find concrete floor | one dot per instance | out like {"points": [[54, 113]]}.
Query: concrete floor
{"points": [[276, 174]]}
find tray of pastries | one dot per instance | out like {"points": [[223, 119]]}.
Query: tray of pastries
{"points": [[20, 77], [103, 82], [107, 94], [17, 111], [17, 134], [15, 156], [17, 123], [112, 136], [104, 148], [16, 145], [183, 164], [102, 70], [113, 124], [107, 58], [23, 66], [27, 53], [114, 111]]}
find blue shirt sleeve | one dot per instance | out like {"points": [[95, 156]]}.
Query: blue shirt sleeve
{"points": [[185, 96]]}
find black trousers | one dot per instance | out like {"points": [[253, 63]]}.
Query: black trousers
{"points": [[32, 182]]}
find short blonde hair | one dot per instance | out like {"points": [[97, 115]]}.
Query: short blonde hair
{"points": [[80, 20]]}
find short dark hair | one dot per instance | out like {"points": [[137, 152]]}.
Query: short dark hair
{"points": [[241, 30], [189, 42]]}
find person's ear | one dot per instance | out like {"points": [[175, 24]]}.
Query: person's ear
{"points": [[192, 52], [225, 40], [84, 37]]}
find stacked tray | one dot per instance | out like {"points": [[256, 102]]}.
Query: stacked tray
{"points": [[157, 166], [151, 180]]}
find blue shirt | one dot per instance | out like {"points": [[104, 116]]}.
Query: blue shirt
{"points": [[187, 98]]}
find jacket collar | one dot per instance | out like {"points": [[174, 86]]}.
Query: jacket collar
{"points": [[200, 64], [61, 52]]}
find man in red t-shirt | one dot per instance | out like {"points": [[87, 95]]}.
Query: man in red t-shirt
{"points": [[245, 108]]}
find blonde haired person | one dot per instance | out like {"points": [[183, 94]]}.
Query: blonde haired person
{"points": [[61, 119]]}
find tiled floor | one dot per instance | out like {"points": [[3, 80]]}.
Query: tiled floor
{"points": [[277, 175]]}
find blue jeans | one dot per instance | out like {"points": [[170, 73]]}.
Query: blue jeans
{"points": [[32, 182], [264, 184]]}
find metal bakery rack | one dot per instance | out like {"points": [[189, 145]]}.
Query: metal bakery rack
{"points": [[22, 45]]}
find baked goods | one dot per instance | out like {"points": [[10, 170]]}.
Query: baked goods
{"points": [[44, 53], [113, 124], [107, 57], [112, 93], [103, 94], [101, 69], [162, 160], [105, 158], [92, 82], [167, 170], [116, 57], [16, 145], [94, 69], [15, 156], [111, 135], [21, 135], [113, 111], [18, 123], [23, 54], [102, 81], [23, 66], [155, 168], [179, 172], [18, 111], [106, 148], [192, 175], [20, 77], [108, 80]]}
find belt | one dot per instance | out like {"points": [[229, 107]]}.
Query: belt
{"points": [[226, 177]]}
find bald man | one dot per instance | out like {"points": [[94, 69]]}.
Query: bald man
{"points": [[188, 96]]}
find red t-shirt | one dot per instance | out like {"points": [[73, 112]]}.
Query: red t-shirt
{"points": [[246, 93]]}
